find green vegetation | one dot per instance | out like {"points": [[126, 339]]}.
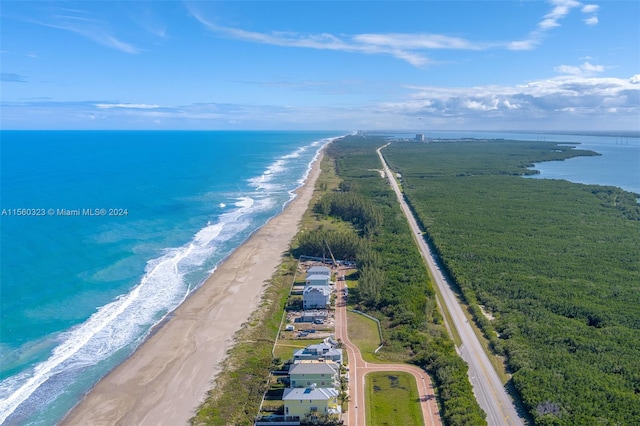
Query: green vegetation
{"points": [[243, 380], [392, 399], [556, 263], [363, 332], [404, 300]]}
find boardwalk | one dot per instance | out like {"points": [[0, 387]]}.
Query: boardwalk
{"points": [[358, 369]]}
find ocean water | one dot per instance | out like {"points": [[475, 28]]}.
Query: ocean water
{"points": [[104, 233], [150, 215]]}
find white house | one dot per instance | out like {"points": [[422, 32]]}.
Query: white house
{"points": [[319, 270], [316, 279], [316, 297], [317, 352]]}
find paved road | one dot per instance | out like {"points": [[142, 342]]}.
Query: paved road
{"points": [[487, 387], [358, 369]]}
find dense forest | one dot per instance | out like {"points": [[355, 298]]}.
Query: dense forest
{"points": [[556, 264], [393, 283]]}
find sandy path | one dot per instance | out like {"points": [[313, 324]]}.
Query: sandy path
{"points": [[166, 379]]}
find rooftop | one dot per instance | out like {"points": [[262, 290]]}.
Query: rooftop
{"points": [[317, 289], [312, 393], [329, 368]]}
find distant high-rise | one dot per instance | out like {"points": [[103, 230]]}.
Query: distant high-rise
{"points": [[419, 137]]}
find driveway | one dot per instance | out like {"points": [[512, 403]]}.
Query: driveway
{"points": [[358, 369]]}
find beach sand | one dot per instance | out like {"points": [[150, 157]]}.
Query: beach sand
{"points": [[168, 376]]}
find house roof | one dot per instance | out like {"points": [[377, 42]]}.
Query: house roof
{"points": [[329, 368], [317, 277], [312, 393], [318, 347], [319, 270], [317, 289], [308, 353]]}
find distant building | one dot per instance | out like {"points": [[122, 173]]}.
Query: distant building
{"points": [[316, 297], [419, 137]]}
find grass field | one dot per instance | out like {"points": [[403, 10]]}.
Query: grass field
{"points": [[363, 332], [392, 399]]}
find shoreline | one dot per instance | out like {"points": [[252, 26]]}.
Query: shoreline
{"points": [[167, 377]]}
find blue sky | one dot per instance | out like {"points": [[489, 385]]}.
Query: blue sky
{"points": [[416, 65]]}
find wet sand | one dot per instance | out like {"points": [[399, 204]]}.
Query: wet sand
{"points": [[167, 377]]}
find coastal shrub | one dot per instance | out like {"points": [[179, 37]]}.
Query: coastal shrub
{"points": [[343, 245], [401, 295], [555, 262]]}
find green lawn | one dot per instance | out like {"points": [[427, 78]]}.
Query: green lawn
{"points": [[392, 399], [363, 333]]}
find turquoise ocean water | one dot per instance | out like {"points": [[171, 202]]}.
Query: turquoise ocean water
{"points": [[104, 233], [121, 226]]}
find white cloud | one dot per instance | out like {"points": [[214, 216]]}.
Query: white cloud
{"points": [[561, 9], [124, 106], [410, 48], [415, 41], [585, 69], [589, 99], [562, 102], [590, 8], [529, 44], [406, 47], [81, 23], [593, 20]]}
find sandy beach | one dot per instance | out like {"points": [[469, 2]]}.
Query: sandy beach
{"points": [[167, 378]]}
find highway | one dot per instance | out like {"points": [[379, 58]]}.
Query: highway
{"points": [[487, 387]]}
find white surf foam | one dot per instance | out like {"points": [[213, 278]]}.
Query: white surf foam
{"points": [[130, 316]]}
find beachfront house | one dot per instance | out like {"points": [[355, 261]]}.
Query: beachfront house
{"points": [[319, 270], [311, 402], [317, 280], [324, 374], [315, 297], [320, 351]]}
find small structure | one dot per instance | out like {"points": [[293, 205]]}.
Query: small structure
{"points": [[320, 351], [312, 316], [317, 279], [316, 297], [419, 137], [311, 402]]}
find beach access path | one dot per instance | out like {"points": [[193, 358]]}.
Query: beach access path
{"points": [[487, 387], [168, 376], [358, 369]]}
